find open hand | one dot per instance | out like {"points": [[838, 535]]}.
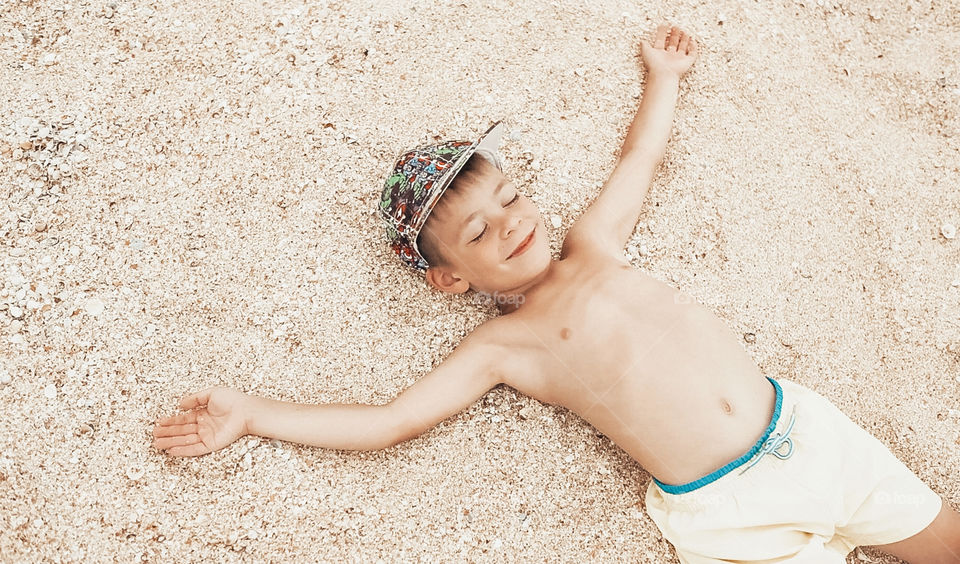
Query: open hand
{"points": [[220, 420], [673, 52]]}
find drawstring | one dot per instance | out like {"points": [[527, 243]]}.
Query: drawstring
{"points": [[772, 444]]}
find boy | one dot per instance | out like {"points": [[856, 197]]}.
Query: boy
{"points": [[746, 468]]}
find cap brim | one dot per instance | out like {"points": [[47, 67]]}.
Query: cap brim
{"points": [[489, 143]]}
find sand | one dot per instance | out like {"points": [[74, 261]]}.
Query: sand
{"points": [[188, 195]]}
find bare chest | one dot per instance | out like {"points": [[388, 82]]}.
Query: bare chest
{"points": [[639, 360], [605, 331]]}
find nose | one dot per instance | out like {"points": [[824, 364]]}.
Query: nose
{"points": [[512, 223]]}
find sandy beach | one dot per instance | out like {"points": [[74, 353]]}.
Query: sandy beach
{"points": [[189, 195]]}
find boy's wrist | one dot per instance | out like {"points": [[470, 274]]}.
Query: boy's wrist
{"points": [[249, 408], [663, 75]]}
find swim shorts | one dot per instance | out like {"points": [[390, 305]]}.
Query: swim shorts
{"points": [[814, 487]]}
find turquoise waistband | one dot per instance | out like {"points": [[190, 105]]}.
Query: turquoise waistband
{"points": [[726, 468]]}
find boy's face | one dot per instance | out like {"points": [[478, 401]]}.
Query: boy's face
{"points": [[491, 235]]}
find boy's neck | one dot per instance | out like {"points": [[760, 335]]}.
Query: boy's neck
{"points": [[511, 300]]}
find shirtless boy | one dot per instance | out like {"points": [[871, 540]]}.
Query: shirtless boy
{"points": [[746, 468]]}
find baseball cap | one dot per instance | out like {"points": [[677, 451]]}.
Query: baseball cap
{"points": [[418, 179]]}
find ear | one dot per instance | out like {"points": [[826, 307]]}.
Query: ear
{"points": [[445, 280]]}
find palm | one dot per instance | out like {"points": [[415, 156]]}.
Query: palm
{"points": [[673, 51], [218, 421]]}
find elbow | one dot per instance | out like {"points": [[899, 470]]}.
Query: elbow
{"points": [[642, 154], [396, 429]]}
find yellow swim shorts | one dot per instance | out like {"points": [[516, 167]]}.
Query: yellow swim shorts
{"points": [[812, 489]]}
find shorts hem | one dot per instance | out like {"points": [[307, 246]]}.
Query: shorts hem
{"points": [[917, 531]]}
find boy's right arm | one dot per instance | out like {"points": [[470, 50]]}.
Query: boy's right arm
{"points": [[466, 375], [225, 414]]}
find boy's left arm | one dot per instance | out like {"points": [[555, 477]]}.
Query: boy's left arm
{"points": [[611, 218]]}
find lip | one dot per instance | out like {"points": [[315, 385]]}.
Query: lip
{"points": [[524, 245]]}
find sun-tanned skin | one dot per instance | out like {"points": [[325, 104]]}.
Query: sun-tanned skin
{"points": [[643, 362]]}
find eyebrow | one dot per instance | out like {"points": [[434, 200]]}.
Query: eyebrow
{"points": [[470, 217]]}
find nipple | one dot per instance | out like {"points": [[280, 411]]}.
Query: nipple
{"points": [[564, 333]]}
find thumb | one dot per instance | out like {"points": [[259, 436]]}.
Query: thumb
{"points": [[196, 400], [645, 48]]}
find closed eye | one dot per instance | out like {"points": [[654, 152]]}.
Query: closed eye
{"points": [[477, 238], [510, 203]]}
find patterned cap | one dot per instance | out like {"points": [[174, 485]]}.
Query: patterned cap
{"points": [[418, 179]]}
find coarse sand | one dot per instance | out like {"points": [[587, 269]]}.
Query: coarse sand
{"points": [[188, 200]]}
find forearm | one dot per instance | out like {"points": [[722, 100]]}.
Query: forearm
{"points": [[333, 426], [652, 124]]}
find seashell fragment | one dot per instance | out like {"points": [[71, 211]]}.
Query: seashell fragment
{"points": [[94, 306], [948, 230], [134, 472]]}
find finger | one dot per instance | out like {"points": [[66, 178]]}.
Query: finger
{"points": [[661, 36], [693, 49], [674, 39], [163, 443], [174, 430], [195, 400], [190, 417], [684, 42], [190, 450]]}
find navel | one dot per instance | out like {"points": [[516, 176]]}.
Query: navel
{"points": [[727, 408], [564, 333]]}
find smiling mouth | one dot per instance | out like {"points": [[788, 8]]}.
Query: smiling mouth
{"points": [[524, 245]]}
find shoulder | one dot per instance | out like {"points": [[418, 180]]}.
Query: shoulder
{"points": [[584, 251], [582, 244], [516, 354]]}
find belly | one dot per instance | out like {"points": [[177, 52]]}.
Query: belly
{"points": [[681, 429]]}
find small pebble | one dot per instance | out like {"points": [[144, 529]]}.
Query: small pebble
{"points": [[556, 220], [50, 391], [4, 376], [750, 337], [134, 472], [948, 230], [94, 306]]}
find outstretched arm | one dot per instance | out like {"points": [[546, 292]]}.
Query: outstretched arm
{"points": [[610, 220], [219, 416]]}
